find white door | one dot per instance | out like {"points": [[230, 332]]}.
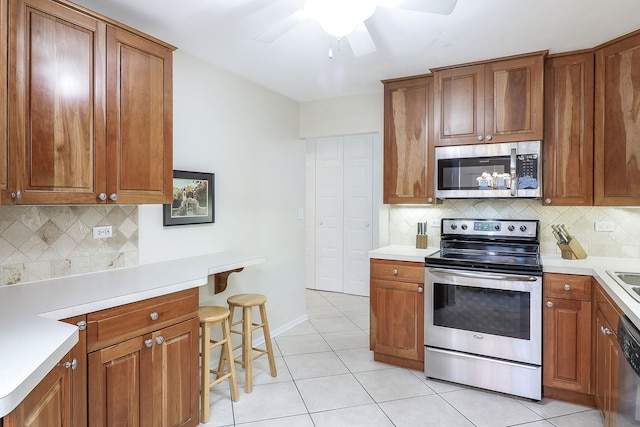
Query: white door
{"points": [[329, 214], [358, 212]]}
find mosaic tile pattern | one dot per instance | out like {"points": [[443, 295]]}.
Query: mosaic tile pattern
{"points": [[42, 242], [623, 242]]}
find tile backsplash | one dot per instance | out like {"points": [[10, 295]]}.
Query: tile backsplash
{"points": [[42, 242], [622, 242]]}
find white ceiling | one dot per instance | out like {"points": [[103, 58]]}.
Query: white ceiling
{"points": [[408, 43]]}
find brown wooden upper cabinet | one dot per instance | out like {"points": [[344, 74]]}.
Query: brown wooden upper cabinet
{"points": [[90, 109], [497, 101], [617, 123], [408, 140], [568, 139]]}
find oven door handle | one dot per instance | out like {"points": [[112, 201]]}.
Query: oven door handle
{"points": [[488, 276]]}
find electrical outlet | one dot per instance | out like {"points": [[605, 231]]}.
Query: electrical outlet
{"points": [[102, 232], [435, 223], [605, 226]]}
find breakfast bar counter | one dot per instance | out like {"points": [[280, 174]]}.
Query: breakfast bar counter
{"points": [[33, 340]]}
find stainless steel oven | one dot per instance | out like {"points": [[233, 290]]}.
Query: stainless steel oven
{"points": [[483, 306]]}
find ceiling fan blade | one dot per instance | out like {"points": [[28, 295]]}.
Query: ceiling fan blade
{"points": [[279, 28], [361, 42], [440, 7]]}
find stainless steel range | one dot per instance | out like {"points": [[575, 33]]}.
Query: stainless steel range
{"points": [[483, 306]]}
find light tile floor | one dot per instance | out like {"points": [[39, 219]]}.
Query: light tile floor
{"points": [[327, 378]]}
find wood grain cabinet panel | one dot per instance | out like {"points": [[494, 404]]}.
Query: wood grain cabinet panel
{"points": [[397, 314], [617, 123], [497, 101], [408, 140], [4, 59], [568, 142], [56, 86], [567, 336]]}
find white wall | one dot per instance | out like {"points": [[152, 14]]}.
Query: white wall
{"points": [[248, 136], [352, 115]]}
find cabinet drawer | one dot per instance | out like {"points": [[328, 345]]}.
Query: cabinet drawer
{"points": [[397, 270], [107, 327], [567, 286]]}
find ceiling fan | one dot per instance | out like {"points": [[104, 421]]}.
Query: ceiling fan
{"points": [[348, 19]]}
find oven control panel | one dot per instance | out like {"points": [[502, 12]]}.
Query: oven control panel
{"points": [[501, 228]]}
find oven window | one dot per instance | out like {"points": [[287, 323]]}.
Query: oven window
{"points": [[463, 174], [488, 311]]}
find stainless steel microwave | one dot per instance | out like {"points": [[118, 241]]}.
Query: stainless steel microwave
{"points": [[504, 170]]}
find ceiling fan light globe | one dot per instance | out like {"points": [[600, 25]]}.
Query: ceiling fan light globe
{"points": [[339, 18]]}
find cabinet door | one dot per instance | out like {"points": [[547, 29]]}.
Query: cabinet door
{"points": [[397, 319], [116, 384], [606, 353], [567, 338], [4, 140], [56, 122], [408, 141], [617, 124], [459, 108], [139, 87], [175, 372], [568, 141], [513, 99], [48, 404], [79, 373]]}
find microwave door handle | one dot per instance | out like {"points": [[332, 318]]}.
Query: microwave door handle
{"points": [[512, 170]]}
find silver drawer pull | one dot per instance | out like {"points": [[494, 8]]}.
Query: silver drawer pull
{"points": [[420, 289], [148, 343], [160, 339], [154, 315], [549, 304], [395, 271], [567, 287], [73, 364]]}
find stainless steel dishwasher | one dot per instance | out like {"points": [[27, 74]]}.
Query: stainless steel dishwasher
{"points": [[628, 413]]}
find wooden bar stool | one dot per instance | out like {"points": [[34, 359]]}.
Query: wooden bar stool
{"points": [[209, 317], [246, 302]]}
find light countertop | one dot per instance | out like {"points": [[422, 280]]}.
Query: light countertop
{"points": [[32, 340], [590, 266]]}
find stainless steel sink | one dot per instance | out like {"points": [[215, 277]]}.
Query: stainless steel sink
{"points": [[630, 282]]}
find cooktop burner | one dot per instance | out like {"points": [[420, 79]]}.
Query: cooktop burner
{"points": [[495, 245]]}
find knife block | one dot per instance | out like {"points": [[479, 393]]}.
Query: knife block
{"points": [[421, 241], [572, 250]]}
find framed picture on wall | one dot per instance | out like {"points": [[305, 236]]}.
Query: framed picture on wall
{"points": [[193, 199]]}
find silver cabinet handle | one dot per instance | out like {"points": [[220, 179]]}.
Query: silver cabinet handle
{"points": [[513, 171], [395, 272], [547, 200], [82, 325], [480, 137], [154, 315], [488, 138], [102, 196], [148, 343], [113, 197], [430, 200], [488, 276], [567, 287], [73, 364], [420, 289], [549, 304], [17, 195], [160, 339], [605, 331]]}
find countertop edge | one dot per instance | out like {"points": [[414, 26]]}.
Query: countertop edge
{"points": [[22, 368]]}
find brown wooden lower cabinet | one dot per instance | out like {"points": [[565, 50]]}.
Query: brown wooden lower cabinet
{"points": [[605, 353], [49, 404], [567, 337], [397, 313]]}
